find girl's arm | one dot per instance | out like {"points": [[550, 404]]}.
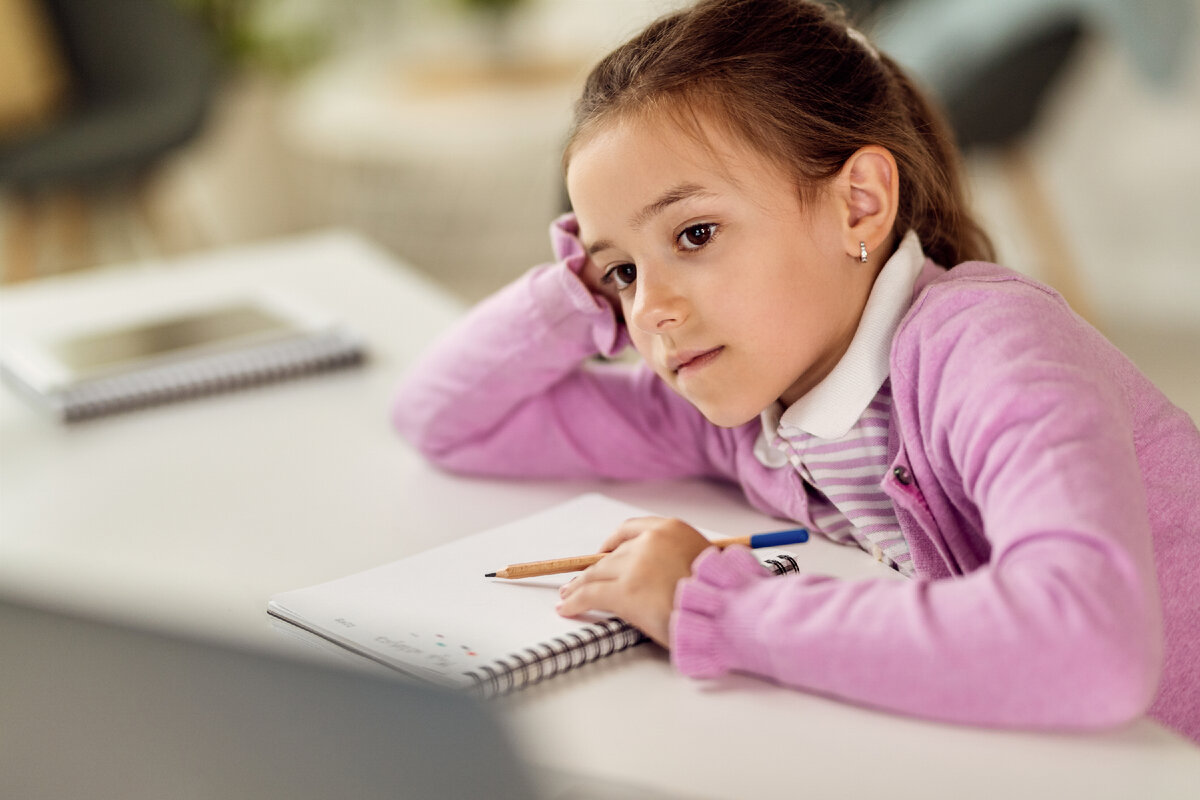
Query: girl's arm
{"points": [[511, 391], [1060, 628]]}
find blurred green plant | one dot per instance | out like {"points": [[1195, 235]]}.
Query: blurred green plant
{"points": [[498, 20], [497, 7], [279, 36]]}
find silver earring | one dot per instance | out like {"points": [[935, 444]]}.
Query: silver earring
{"points": [[862, 252]]}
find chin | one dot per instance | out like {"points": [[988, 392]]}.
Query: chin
{"points": [[727, 417], [728, 414]]}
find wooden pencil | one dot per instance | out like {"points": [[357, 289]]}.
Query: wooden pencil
{"points": [[555, 566]]}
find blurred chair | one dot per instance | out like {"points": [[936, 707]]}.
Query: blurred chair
{"points": [[141, 75], [993, 63]]}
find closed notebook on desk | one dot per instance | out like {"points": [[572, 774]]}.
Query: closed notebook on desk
{"points": [[167, 355], [435, 616]]}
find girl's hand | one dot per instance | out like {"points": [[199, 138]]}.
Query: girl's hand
{"points": [[637, 581]]}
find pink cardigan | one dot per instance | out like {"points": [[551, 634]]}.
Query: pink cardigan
{"points": [[1047, 491]]}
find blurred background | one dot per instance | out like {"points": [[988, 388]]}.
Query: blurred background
{"points": [[136, 130]]}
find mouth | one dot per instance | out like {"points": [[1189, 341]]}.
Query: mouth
{"points": [[688, 361]]}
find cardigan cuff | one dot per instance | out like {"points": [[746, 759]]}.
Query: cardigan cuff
{"points": [[698, 646]]}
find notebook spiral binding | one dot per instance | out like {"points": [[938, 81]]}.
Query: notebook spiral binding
{"points": [[563, 653], [219, 373]]}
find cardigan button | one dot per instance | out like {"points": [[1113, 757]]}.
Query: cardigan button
{"points": [[902, 476]]}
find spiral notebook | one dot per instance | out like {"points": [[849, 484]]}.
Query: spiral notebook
{"points": [[177, 354], [436, 617]]}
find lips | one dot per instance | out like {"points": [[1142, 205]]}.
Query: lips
{"points": [[689, 360]]}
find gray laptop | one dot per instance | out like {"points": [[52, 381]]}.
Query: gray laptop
{"points": [[90, 709]]}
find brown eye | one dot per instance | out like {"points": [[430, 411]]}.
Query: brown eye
{"points": [[622, 275], [696, 236]]}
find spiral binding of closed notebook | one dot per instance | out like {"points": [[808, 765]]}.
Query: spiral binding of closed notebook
{"points": [[593, 642], [218, 373]]}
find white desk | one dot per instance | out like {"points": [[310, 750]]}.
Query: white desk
{"points": [[190, 516]]}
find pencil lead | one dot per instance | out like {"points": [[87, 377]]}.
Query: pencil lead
{"points": [[489, 574]]}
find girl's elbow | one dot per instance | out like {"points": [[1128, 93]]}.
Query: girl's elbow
{"points": [[1115, 682], [1124, 703], [1100, 635], [436, 453], [451, 450], [1128, 658], [423, 436], [443, 454], [1136, 686]]}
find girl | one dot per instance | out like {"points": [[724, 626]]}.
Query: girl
{"points": [[768, 210]]}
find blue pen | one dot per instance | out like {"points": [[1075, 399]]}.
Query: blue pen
{"points": [[776, 539]]}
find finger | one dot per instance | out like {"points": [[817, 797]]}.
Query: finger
{"points": [[600, 571], [629, 529], [585, 597]]}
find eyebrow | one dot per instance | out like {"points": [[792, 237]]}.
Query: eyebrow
{"points": [[675, 194]]}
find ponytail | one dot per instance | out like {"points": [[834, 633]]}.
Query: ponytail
{"points": [[932, 195]]}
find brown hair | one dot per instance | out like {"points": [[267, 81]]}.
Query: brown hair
{"points": [[793, 81]]}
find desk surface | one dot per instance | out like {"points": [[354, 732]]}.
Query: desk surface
{"points": [[189, 516]]}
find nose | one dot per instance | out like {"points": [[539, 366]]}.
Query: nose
{"points": [[658, 306]]}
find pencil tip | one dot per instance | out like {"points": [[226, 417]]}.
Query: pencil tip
{"points": [[489, 574]]}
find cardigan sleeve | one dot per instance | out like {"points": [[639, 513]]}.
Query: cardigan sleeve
{"points": [[515, 390], [1020, 419]]}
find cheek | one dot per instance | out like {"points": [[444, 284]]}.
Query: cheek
{"points": [[642, 342]]}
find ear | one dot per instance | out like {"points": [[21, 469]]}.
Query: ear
{"points": [[869, 185]]}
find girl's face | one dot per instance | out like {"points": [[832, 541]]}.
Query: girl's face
{"points": [[732, 292]]}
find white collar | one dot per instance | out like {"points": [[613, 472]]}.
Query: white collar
{"points": [[830, 409]]}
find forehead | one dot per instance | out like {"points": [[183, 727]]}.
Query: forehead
{"points": [[640, 170], [638, 155]]}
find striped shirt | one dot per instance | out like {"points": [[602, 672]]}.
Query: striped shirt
{"points": [[835, 436], [847, 504]]}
